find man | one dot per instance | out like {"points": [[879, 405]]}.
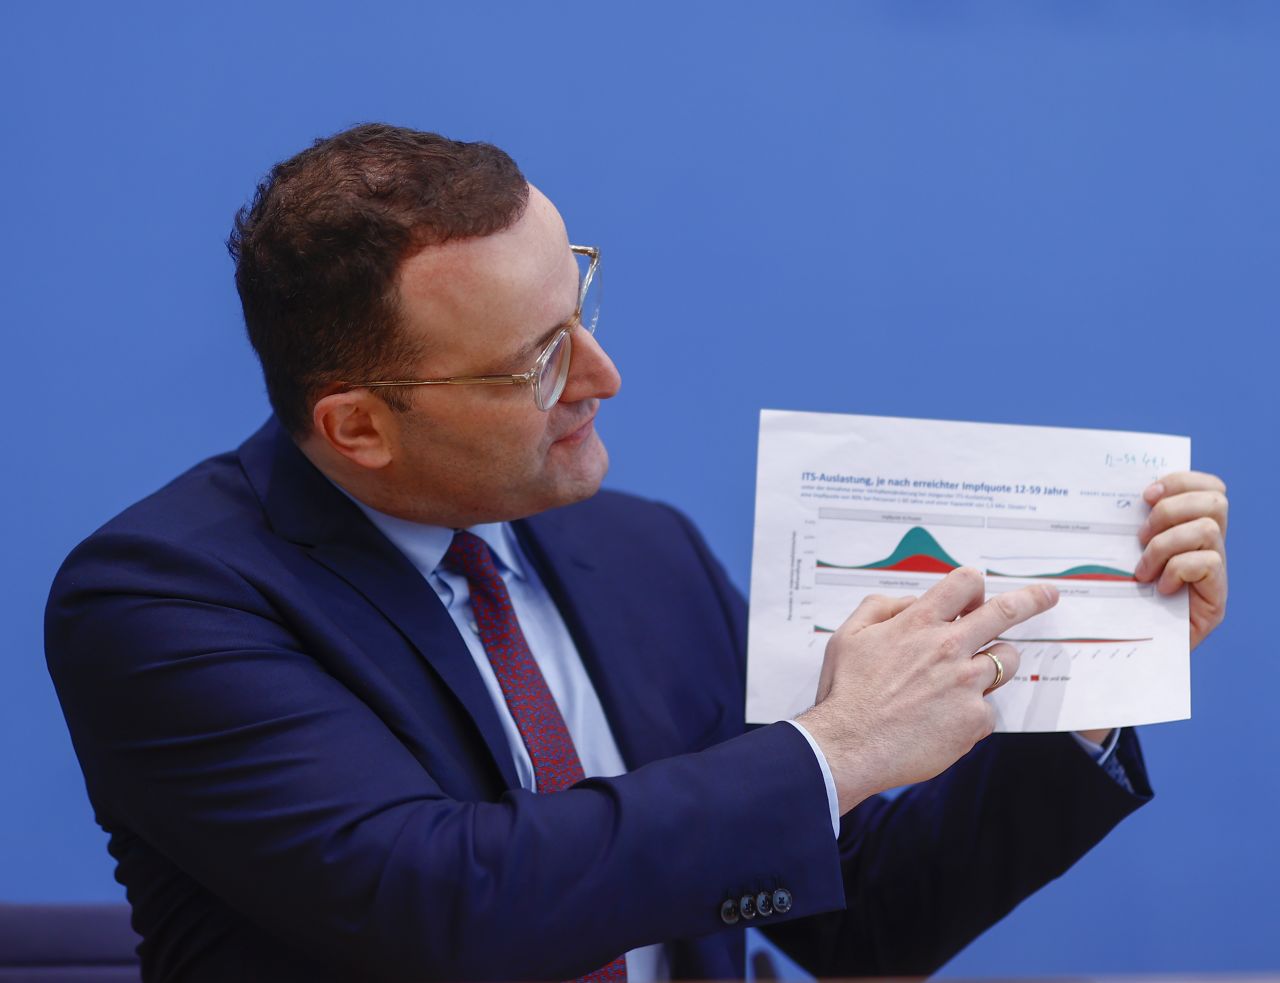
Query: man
{"points": [[391, 693]]}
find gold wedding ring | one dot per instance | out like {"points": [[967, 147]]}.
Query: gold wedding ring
{"points": [[999, 671]]}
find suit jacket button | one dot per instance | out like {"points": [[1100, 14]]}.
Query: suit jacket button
{"points": [[747, 906], [729, 912], [782, 901], [764, 903]]}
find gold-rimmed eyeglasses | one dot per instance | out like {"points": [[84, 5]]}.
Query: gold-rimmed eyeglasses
{"points": [[551, 368]]}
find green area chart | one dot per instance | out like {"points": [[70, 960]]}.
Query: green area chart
{"points": [[919, 552]]}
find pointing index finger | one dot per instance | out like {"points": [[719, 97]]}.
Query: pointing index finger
{"points": [[1004, 611]]}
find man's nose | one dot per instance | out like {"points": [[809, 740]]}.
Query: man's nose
{"points": [[592, 374]]}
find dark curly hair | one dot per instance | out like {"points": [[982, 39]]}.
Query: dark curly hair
{"points": [[318, 249]]}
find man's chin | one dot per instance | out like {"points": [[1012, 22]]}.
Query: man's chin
{"points": [[583, 474]]}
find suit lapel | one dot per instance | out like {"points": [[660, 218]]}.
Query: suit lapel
{"points": [[305, 508], [586, 594]]}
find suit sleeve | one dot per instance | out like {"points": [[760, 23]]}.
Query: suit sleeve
{"points": [[926, 872], [929, 871], [205, 727]]}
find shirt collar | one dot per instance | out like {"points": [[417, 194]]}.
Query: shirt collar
{"points": [[502, 540], [426, 545]]}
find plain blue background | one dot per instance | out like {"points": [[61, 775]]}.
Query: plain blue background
{"points": [[1056, 213]]}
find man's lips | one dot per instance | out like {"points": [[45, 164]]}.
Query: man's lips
{"points": [[579, 432]]}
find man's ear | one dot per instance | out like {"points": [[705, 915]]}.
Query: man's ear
{"points": [[357, 425]]}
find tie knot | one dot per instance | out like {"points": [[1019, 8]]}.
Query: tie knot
{"points": [[469, 555]]}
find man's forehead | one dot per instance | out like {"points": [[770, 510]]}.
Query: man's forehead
{"points": [[529, 252], [522, 269]]}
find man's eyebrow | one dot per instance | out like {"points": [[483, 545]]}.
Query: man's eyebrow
{"points": [[535, 346]]}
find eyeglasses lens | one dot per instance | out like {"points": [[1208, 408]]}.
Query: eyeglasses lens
{"points": [[590, 315], [551, 378], [549, 383]]}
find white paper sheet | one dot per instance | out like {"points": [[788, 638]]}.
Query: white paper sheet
{"points": [[848, 506]]}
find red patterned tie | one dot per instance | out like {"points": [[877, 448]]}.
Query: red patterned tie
{"points": [[555, 759]]}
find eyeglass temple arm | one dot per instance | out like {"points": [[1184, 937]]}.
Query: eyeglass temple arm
{"points": [[458, 380]]}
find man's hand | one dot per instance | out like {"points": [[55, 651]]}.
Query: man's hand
{"points": [[1185, 540], [900, 698], [1185, 543]]}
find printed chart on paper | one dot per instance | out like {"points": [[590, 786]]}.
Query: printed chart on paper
{"points": [[848, 506]]}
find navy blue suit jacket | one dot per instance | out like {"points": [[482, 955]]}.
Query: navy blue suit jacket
{"points": [[303, 777]]}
